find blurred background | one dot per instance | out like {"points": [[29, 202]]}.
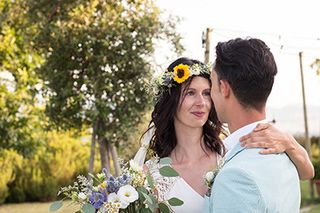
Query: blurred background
{"points": [[73, 75]]}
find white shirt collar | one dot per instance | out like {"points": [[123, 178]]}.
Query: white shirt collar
{"points": [[233, 138]]}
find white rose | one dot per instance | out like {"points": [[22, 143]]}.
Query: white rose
{"points": [[114, 198], [128, 194], [209, 176]]}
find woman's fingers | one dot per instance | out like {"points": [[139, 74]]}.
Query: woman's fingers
{"points": [[265, 136], [269, 151], [257, 145], [261, 126], [253, 138]]}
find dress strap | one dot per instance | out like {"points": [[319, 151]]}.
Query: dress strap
{"points": [[162, 184]]}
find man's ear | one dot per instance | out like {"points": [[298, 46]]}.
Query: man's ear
{"points": [[225, 88]]}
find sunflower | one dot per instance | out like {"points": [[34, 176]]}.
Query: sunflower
{"points": [[181, 73]]}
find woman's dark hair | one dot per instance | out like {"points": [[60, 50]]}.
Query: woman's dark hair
{"points": [[164, 139]]}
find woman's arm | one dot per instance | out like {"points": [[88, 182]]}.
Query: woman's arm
{"points": [[274, 141]]}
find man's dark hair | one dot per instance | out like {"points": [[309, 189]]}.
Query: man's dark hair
{"points": [[249, 67]]}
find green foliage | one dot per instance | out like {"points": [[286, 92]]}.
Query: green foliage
{"points": [[54, 164], [88, 61], [88, 208], [10, 161], [168, 171], [165, 160], [316, 164], [128, 148], [18, 80], [98, 60], [164, 208], [175, 202], [55, 206]]}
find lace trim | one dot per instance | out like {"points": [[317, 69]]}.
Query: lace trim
{"points": [[162, 184]]}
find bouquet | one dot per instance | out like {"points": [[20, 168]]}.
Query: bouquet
{"points": [[132, 191]]}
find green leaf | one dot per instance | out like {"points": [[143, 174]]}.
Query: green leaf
{"points": [[175, 202], [153, 207], [164, 208], [165, 161], [147, 197], [151, 200], [145, 210], [168, 171], [150, 181], [55, 206], [142, 189], [88, 208]]}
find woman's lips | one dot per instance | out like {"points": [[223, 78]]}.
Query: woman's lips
{"points": [[198, 114]]}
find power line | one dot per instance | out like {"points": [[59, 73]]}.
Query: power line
{"points": [[269, 34], [282, 46]]}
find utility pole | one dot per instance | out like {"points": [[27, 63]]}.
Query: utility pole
{"points": [[307, 139], [206, 39]]}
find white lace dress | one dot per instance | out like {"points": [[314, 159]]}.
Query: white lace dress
{"points": [[169, 187]]}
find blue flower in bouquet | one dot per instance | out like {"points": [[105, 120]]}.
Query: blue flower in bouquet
{"points": [[114, 184], [124, 179], [97, 199]]}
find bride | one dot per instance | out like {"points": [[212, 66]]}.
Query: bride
{"points": [[185, 128]]}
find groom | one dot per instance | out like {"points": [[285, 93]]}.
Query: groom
{"points": [[242, 80]]}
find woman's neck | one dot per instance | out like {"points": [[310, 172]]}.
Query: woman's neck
{"points": [[189, 145]]}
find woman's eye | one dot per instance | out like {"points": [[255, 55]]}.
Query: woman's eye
{"points": [[207, 93], [190, 93]]}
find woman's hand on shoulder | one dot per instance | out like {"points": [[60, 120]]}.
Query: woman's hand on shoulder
{"points": [[268, 137]]}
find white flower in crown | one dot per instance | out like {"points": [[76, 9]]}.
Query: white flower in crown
{"points": [[196, 69], [128, 194]]}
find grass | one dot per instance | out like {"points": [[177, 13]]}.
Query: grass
{"points": [[305, 194], [315, 209], [37, 207], [69, 208]]}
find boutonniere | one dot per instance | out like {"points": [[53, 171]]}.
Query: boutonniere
{"points": [[211, 175]]}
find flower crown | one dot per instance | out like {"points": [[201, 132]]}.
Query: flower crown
{"points": [[180, 74]]}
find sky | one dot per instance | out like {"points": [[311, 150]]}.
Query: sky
{"points": [[287, 27]]}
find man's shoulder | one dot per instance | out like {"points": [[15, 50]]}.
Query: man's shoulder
{"points": [[248, 158], [257, 179], [272, 169]]}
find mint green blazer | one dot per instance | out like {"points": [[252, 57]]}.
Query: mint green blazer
{"points": [[251, 182]]}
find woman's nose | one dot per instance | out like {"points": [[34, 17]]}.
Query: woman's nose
{"points": [[200, 100]]}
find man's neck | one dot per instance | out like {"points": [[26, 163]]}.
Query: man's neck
{"points": [[242, 117]]}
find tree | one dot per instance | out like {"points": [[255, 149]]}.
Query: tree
{"points": [[98, 59], [18, 80]]}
